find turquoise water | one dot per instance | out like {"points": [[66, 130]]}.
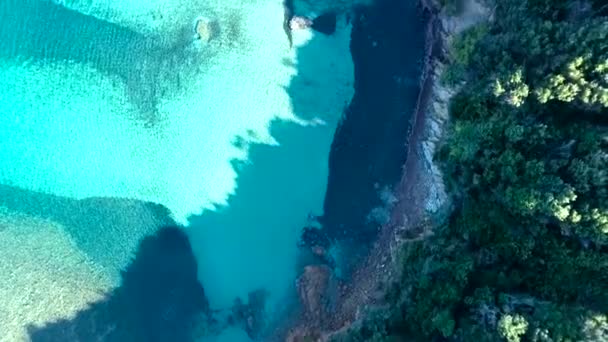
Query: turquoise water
{"points": [[105, 105]]}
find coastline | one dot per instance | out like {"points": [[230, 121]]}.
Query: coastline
{"points": [[365, 288], [422, 201], [412, 194]]}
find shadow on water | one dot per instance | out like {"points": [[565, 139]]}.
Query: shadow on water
{"points": [[160, 299], [41, 31], [106, 229]]}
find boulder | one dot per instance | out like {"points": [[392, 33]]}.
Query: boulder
{"points": [[299, 23], [206, 29]]}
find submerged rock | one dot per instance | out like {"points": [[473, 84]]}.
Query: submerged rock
{"points": [[250, 317], [317, 291], [206, 29], [299, 23]]}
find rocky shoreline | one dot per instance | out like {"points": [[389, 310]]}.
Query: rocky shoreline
{"points": [[365, 288], [421, 199]]}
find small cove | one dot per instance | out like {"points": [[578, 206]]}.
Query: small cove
{"points": [[236, 145]]}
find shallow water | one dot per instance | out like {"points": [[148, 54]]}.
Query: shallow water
{"points": [[116, 100]]}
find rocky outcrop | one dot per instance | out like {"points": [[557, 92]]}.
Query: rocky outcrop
{"points": [[316, 291], [435, 105], [438, 117], [314, 287], [251, 316]]}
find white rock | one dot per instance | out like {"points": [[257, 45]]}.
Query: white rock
{"points": [[206, 29]]}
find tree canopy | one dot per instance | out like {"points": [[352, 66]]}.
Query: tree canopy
{"points": [[524, 255]]}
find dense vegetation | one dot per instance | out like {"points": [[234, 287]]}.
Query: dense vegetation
{"points": [[524, 256]]}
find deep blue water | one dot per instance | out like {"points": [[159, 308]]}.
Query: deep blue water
{"points": [[369, 148]]}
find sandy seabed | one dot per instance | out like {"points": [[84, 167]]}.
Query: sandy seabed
{"points": [[72, 128]]}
